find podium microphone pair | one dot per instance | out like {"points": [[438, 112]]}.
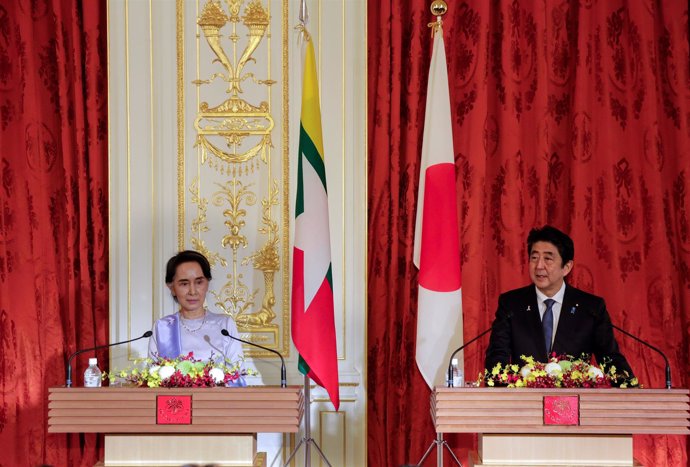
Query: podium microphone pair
{"points": [[68, 381], [283, 371], [509, 315]]}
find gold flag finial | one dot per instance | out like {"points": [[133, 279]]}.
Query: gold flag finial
{"points": [[438, 8]]}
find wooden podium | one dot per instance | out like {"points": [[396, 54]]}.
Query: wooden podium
{"points": [[559, 427], [172, 427]]}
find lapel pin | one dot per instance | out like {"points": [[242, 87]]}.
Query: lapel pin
{"points": [[529, 308], [572, 311]]}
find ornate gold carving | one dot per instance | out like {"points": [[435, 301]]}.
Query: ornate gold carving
{"points": [[234, 192], [234, 297], [233, 138], [234, 7], [267, 260], [234, 120], [199, 225]]}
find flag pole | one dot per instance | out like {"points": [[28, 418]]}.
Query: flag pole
{"points": [[307, 440], [438, 9]]}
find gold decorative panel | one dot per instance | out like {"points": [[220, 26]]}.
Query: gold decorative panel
{"points": [[233, 194]]}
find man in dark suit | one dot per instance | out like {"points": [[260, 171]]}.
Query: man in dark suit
{"points": [[550, 316]]}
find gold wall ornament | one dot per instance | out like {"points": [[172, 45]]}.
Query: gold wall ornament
{"points": [[233, 129], [267, 260], [233, 193], [213, 18], [234, 297], [234, 121], [200, 225]]}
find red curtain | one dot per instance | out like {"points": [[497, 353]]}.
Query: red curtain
{"points": [[574, 113], [53, 216]]}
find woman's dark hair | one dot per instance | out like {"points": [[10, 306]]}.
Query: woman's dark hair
{"points": [[187, 256], [560, 240]]}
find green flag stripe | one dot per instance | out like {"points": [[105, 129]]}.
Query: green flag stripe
{"points": [[329, 275], [307, 147], [302, 366], [299, 198]]}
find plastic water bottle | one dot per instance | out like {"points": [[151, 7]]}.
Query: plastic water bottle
{"points": [[458, 374], [92, 375]]}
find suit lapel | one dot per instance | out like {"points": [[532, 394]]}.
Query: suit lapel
{"points": [[534, 320]]}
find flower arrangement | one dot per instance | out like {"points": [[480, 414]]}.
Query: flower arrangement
{"points": [[562, 371], [181, 372]]}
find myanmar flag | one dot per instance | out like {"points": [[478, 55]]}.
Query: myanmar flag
{"points": [[313, 323]]}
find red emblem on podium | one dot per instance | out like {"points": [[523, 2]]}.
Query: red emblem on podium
{"points": [[561, 410], [174, 410]]}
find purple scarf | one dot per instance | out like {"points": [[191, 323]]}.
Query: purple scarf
{"points": [[168, 336]]}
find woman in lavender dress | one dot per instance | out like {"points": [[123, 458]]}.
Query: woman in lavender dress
{"points": [[193, 328]]}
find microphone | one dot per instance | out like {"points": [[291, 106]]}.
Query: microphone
{"points": [[645, 343], [505, 317], [68, 382], [668, 367], [283, 372]]}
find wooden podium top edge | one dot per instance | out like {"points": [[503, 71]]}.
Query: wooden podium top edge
{"points": [[267, 389], [637, 391]]}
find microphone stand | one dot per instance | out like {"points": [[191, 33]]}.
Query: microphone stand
{"points": [[68, 381], [283, 371], [668, 366], [450, 361]]}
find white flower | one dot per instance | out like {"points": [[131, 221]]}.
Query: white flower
{"points": [[525, 371], [154, 369], [553, 369], [166, 372], [594, 373], [217, 375]]}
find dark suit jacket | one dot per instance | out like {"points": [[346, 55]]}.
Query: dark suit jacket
{"points": [[584, 326]]}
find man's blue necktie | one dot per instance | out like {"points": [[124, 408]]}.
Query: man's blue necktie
{"points": [[547, 324]]}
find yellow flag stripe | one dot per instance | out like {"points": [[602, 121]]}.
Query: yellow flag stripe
{"points": [[311, 111]]}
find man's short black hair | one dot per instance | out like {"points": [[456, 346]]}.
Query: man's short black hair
{"points": [[186, 256], [550, 234]]}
